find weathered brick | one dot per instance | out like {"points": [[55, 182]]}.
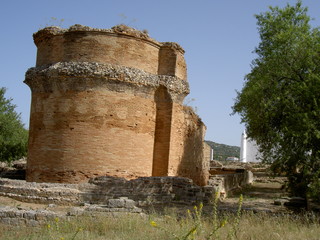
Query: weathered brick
{"points": [[109, 102]]}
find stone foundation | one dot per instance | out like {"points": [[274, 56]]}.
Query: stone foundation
{"points": [[144, 191], [18, 217], [229, 180]]}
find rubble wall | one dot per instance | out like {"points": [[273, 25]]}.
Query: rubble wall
{"points": [[228, 180], [145, 191]]}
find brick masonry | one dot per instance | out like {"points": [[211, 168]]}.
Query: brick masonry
{"points": [[108, 102]]}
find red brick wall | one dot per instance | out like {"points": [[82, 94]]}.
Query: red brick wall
{"points": [[105, 109], [77, 135], [187, 146], [99, 47]]}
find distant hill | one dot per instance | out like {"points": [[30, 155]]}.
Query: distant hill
{"points": [[222, 151]]}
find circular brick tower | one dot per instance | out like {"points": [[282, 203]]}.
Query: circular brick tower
{"points": [[103, 103]]}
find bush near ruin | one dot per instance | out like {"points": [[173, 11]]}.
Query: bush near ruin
{"points": [[13, 135]]}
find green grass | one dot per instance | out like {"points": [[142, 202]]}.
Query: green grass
{"points": [[136, 227]]}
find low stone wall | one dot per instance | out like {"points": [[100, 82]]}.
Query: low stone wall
{"points": [[14, 170], [13, 173], [228, 180], [109, 195], [23, 216], [62, 194], [14, 216], [148, 190], [145, 191]]}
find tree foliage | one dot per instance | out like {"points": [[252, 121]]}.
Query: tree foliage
{"points": [[13, 135], [280, 99]]}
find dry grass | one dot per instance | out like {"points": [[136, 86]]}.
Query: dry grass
{"points": [[134, 227], [264, 226]]}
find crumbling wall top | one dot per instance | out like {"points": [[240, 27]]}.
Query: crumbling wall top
{"points": [[118, 29], [121, 45]]}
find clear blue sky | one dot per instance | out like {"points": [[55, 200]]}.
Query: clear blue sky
{"points": [[217, 35]]}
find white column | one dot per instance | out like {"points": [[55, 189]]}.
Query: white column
{"points": [[243, 147]]}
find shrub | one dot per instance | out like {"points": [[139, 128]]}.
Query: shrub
{"points": [[13, 135]]}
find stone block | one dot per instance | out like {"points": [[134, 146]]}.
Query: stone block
{"points": [[32, 223], [116, 203], [30, 215], [129, 203], [6, 220]]}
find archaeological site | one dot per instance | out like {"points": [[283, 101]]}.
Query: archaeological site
{"points": [[108, 126]]}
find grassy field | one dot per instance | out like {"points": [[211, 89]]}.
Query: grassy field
{"points": [[172, 226]]}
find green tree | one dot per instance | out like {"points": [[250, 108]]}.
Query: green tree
{"points": [[13, 135], [280, 99]]}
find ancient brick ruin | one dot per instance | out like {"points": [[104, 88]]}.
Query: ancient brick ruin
{"points": [[109, 102]]}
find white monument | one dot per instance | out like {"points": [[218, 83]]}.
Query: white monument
{"points": [[249, 150]]}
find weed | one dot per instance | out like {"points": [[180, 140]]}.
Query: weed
{"points": [[200, 223], [197, 229]]}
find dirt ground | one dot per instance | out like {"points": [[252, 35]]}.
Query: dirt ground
{"points": [[259, 197]]}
